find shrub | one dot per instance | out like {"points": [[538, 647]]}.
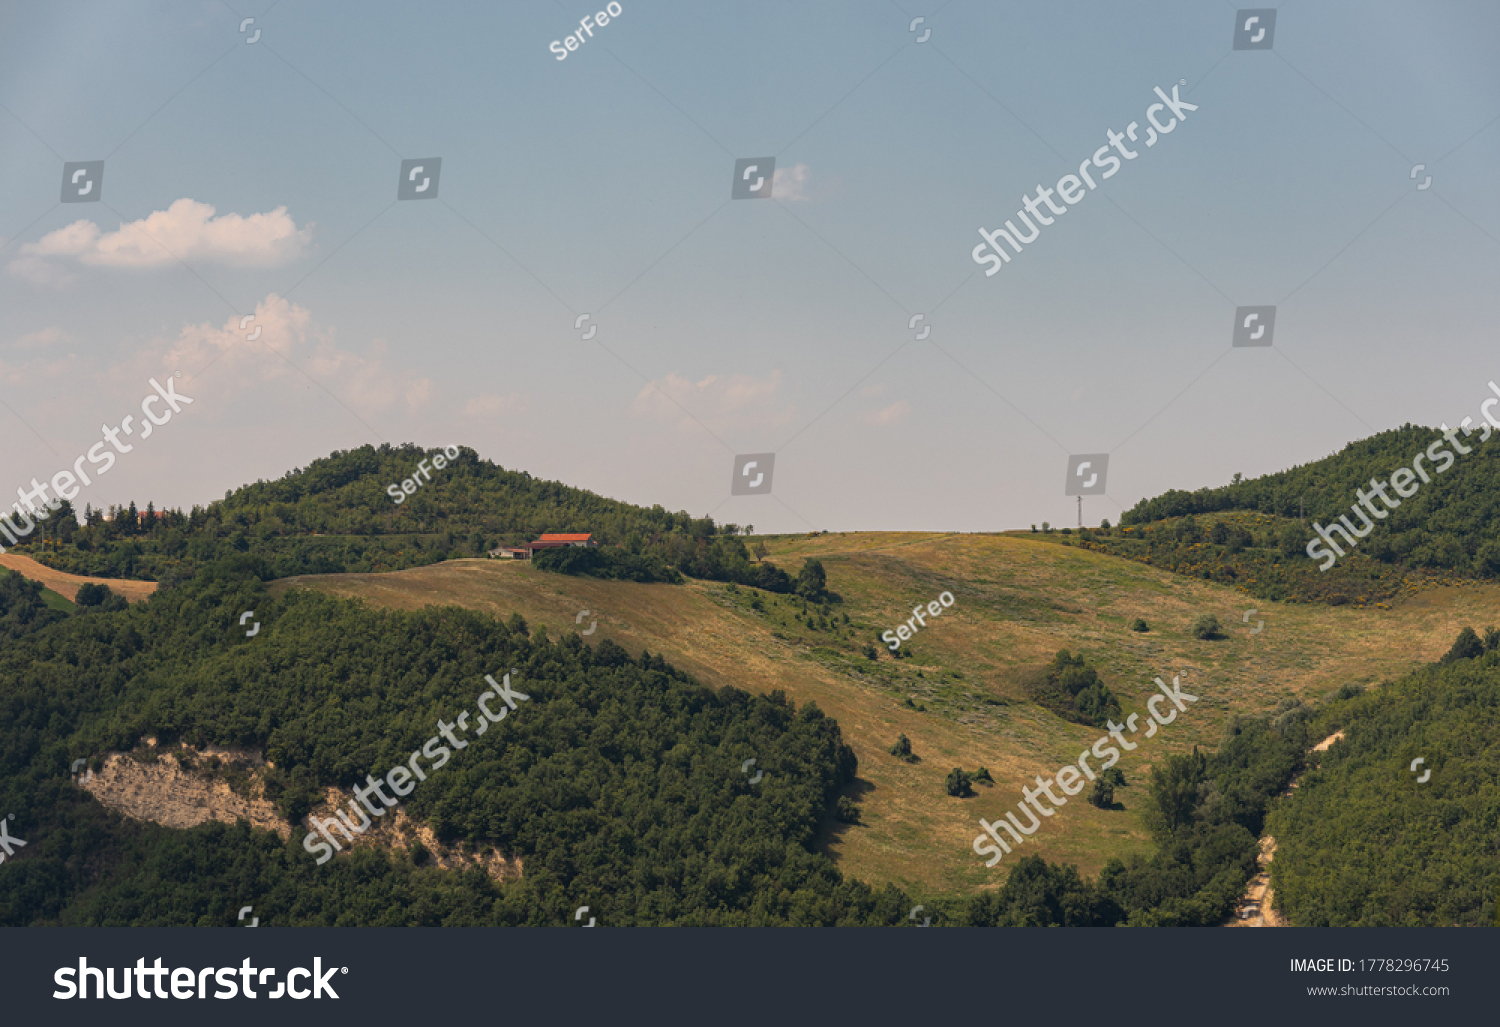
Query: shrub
{"points": [[92, 594], [1138, 625], [1466, 647], [1104, 525], [959, 785], [1102, 794], [1207, 627], [902, 749], [983, 775], [1046, 527], [1069, 687], [845, 811]]}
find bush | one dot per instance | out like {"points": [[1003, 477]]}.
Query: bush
{"points": [[1102, 794], [1466, 646], [1207, 627], [959, 785], [1138, 625], [983, 775], [902, 749], [1069, 687], [92, 594], [845, 811]]}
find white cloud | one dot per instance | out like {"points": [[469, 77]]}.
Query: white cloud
{"points": [[187, 230], [46, 337], [228, 359], [735, 401], [893, 414], [36, 271], [790, 183]]}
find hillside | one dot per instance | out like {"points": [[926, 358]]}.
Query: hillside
{"points": [[338, 514], [1017, 602], [1448, 519]]}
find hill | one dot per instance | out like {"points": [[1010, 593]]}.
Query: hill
{"points": [[388, 508], [1440, 519], [960, 696]]}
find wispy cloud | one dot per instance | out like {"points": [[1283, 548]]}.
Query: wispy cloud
{"points": [[893, 414], [727, 402], [187, 230], [791, 183]]}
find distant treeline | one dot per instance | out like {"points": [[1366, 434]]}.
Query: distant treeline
{"points": [[1451, 523]]}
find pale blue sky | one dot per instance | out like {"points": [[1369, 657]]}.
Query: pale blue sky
{"points": [[600, 184]]}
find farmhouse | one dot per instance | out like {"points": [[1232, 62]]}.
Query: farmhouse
{"points": [[530, 549]]}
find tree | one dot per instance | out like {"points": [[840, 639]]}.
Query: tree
{"points": [[1102, 794], [92, 594], [1293, 541], [958, 784], [845, 811], [1104, 525], [1466, 647], [760, 551], [1207, 627], [902, 750], [811, 580], [1138, 625]]}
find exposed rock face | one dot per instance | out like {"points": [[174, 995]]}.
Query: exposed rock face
{"points": [[395, 831], [165, 792], [180, 788]]}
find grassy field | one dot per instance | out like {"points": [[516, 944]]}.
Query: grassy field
{"points": [[958, 697]]}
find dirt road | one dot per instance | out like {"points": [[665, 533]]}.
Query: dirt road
{"points": [[1259, 895]]}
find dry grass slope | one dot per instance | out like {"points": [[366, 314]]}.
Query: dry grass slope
{"points": [[1018, 602]]}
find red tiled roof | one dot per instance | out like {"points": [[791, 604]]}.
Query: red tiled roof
{"points": [[565, 538]]}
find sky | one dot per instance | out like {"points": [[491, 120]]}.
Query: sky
{"points": [[251, 172]]}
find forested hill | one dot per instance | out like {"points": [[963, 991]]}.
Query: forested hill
{"points": [[1451, 523], [337, 515]]}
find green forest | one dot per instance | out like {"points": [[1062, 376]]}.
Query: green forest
{"points": [[1364, 842], [336, 516], [1451, 524]]}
